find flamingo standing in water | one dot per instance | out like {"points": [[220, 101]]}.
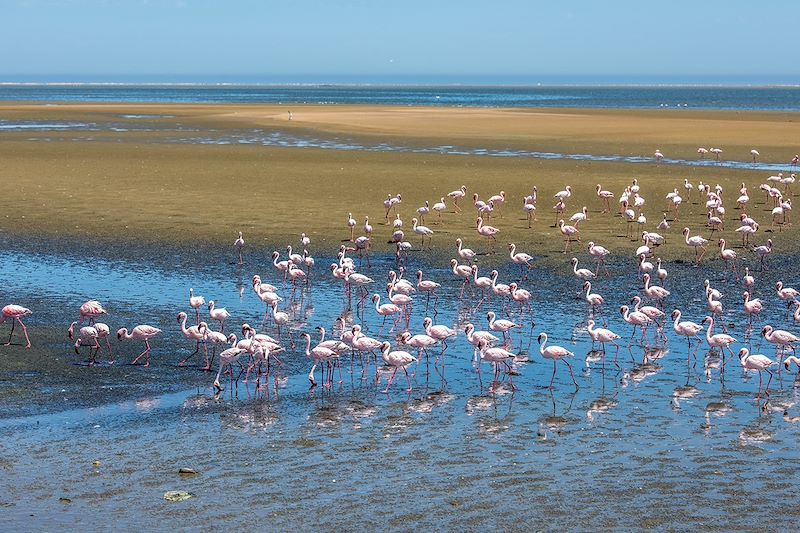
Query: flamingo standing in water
{"points": [[396, 359], [467, 254], [635, 319], [429, 287], [239, 244], [220, 314], [758, 362], [439, 332], [192, 333], [520, 258], [385, 310], [196, 302], [141, 332], [319, 354], [762, 252], [15, 313], [721, 341], [501, 325], [751, 306], [91, 310], [780, 338], [496, 356], [555, 353], [686, 329], [600, 253]]}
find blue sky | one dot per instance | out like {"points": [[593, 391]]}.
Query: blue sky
{"points": [[400, 40]]}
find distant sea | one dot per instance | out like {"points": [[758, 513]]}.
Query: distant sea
{"points": [[777, 98]]}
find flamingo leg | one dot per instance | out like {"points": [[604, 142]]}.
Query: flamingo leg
{"points": [[391, 378]]}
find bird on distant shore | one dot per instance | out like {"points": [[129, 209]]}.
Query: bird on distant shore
{"points": [[239, 244]]}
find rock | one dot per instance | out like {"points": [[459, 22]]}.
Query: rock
{"points": [[187, 472], [176, 495], [64, 500]]}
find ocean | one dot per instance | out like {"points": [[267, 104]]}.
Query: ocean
{"points": [[773, 98]]}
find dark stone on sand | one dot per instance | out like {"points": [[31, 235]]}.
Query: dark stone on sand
{"points": [[187, 471], [64, 500]]}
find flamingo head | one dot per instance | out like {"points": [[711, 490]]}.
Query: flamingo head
{"points": [[181, 316], [540, 337], [468, 328], [453, 262], [586, 285], [766, 331], [121, 333], [490, 316], [574, 261], [275, 254], [675, 314], [623, 309], [419, 274], [385, 346], [426, 322], [744, 352], [513, 286]]}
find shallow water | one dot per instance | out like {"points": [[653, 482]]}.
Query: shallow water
{"points": [[657, 444], [290, 140]]}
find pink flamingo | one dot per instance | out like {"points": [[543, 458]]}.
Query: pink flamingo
{"points": [[757, 362], [496, 356], [15, 313], [457, 195], [319, 354], [227, 358], [555, 353], [438, 332], [605, 197], [462, 271], [635, 319], [762, 252], [361, 343], [385, 310], [483, 283], [421, 342], [751, 307], [220, 314], [467, 254], [487, 231], [501, 325], [602, 336], [568, 232], [721, 341], [521, 296], [581, 273], [686, 329], [522, 259], [195, 302], [593, 299], [239, 244], [654, 292], [422, 231], [697, 242], [600, 253], [428, 287], [780, 338], [141, 332], [91, 309], [87, 336], [192, 333], [397, 359]]}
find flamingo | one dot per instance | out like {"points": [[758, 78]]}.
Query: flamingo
{"points": [[520, 258], [227, 358], [397, 223], [239, 244], [351, 223], [645, 266], [220, 314], [748, 279], [653, 313], [438, 332], [530, 210], [757, 362], [421, 342], [319, 354], [605, 197], [499, 289], [755, 155], [397, 359], [457, 195], [785, 293], [497, 201], [721, 341], [422, 231], [635, 319], [385, 310], [423, 210], [654, 292], [686, 329], [403, 286], [487, 231], [751, 306], [563, 195], [663, 225], [581, 273], [780, 338], [762, 252], [658, 156], [87, 336], [580, 216], [521, 296], [702, 152], [439, 207], [559, 208], [661, 273], [716, 152], [600, 253], [141, 332], [15, 313], [729, 256], [501, 325], [568, 232], [305, 241], [192, 333], [467, 254], [427, 286], [697, 242], [474, 337], [593, 299], [92, 309], [462, 271], [361, 343], [555, 353], [495, 356], [337, 345], [602, 335], [279, 317], [483, 283], [280, 266]]}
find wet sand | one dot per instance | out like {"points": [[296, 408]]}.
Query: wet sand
{"points": [[136, 186]]}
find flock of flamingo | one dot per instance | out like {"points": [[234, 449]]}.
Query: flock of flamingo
{"points": [[261, 353]]}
